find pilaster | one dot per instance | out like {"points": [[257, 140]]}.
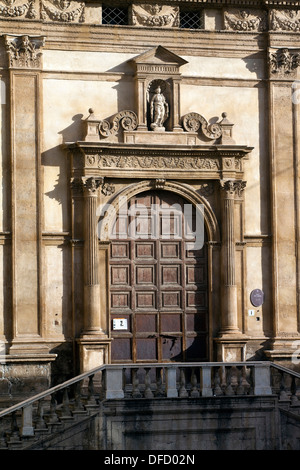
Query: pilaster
{"points": [[25, 64], [284, 162]]}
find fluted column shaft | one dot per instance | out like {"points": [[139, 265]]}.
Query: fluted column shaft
{"points": [[229, 297], [92, 321]]}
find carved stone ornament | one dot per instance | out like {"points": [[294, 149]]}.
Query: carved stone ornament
{"points": [[285, 20], [64, 11], [24, 51], [232, 187], [283, 61], [158, 162], [15, 9], [155, 15], [245, 20], [193, 122], [127, 120], [159, 106]]}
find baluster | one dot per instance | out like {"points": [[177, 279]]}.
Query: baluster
{"points": [[243, 386], [229, 389], [40, 423], [294, 398], [217, 391], [194, 391], [159, 383], [15, 433], [66, 412], [148, 393], [78, 397], [53, 418], [91, 391], [283, 395], [182, 390], [3, 443], [135, 384]]}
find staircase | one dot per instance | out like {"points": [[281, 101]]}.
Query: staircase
{"points": [[134, 406]]}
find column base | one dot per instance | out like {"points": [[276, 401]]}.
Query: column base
{"points": [[231, 347], [94, 351], [285, 349]]}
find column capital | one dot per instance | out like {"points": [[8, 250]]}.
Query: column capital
{"points": [[24, 51], [232, 188], [91, 184]]}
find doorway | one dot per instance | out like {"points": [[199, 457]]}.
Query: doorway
{"points": [[158, 282]]}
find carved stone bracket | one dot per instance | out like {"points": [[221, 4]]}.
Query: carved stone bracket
{"points": [[126, 119], [24, 51], [283, 62], [193, 122]]}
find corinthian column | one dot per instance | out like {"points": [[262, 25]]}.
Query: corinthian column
{"points": [[92, 323], [229, 324]]}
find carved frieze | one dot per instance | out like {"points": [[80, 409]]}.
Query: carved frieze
{"points": [[24, 51], [245, 20], [284, 62], [157, 162], [285, 20], [17, 9], [155, 15], [64, 11]]}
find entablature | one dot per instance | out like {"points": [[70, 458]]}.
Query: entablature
{"points": [[119, 160]]}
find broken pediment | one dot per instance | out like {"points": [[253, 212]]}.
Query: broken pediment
{"points": [[155, 117]]}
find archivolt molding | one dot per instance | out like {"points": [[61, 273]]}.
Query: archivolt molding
{"points": [[107, 218]]}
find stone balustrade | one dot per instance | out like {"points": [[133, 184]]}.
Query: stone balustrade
{"points": [[82, 395]]}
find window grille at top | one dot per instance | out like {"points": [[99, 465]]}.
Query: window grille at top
{"points": [[191, 19], [113, 15]]}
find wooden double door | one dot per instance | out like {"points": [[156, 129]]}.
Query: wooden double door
{"points": [[158, 282]]}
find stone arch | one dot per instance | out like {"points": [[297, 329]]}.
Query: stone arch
{"points": [[111, 209]]}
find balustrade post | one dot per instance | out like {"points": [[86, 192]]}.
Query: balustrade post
{"points": [[206, 388], [114, 383], [171, 382], [27, 428], [262, 379]]}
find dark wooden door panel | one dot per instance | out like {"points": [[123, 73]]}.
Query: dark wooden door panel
{"points": [[157, 285]]}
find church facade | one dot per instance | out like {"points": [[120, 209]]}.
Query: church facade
{"points": [[150, 185]]}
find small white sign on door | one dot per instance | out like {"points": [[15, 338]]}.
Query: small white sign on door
{"points": [[119, 324]]}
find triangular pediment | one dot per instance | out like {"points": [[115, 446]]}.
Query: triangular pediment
{"points": [[159, 55]]}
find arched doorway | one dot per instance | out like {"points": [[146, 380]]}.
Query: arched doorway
{"points": [[158, 281]]}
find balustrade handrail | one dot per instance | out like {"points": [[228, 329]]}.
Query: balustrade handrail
{"points": [[50, 391]]}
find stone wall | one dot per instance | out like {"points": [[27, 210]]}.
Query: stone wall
{"points": [[57, 60]]}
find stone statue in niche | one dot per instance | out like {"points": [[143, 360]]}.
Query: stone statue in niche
{"points": [[159, 110]]}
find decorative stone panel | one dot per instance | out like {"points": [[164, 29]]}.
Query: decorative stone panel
{"points": [[155, 15], [245, 20]]}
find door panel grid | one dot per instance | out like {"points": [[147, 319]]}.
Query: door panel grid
{"points": [[157, 285]]}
